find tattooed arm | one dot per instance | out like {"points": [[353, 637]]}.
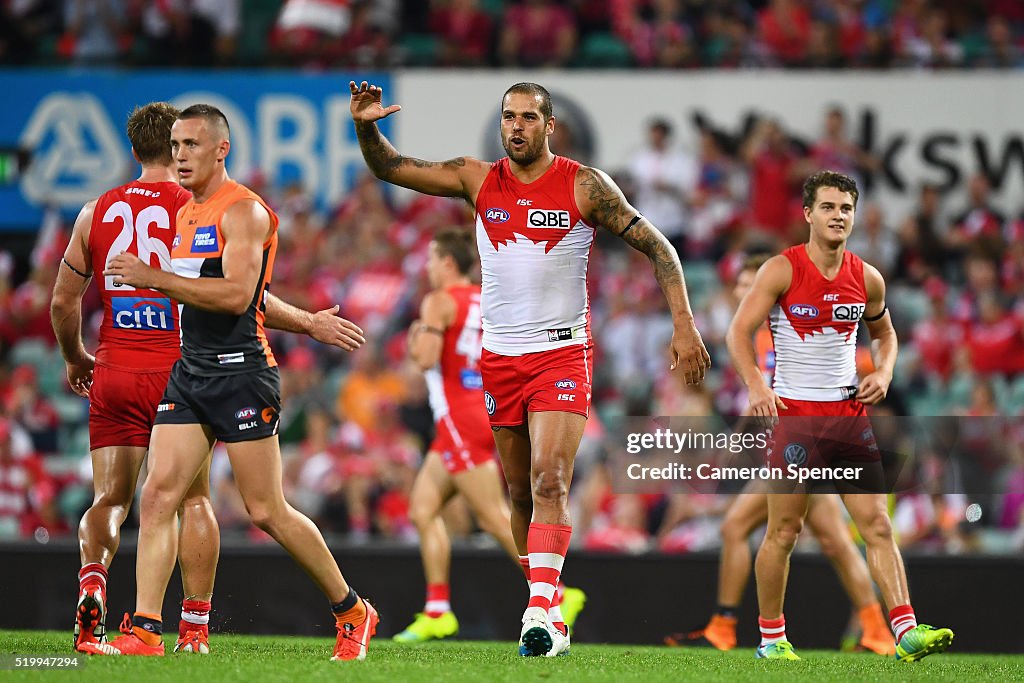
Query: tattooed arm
{"points": [[459, 177], [601, 202]]}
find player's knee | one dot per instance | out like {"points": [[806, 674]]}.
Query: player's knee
{"points": [[158, 500], [550, 488], [785, 533], [877, 528], [421, 515], [262, 516], [115, 501], [734, 531]]}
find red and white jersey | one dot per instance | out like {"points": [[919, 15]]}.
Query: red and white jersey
{"points": [[534, 252], [814, 327], [454, 384], [140, 326]]}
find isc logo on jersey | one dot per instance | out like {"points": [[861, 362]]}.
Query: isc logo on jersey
{"points": [[847, 312], [547, 218], [141, 313]]}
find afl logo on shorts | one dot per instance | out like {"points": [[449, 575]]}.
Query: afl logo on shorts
{"points": [[565, 384], [496, 215], [245, 413], [795, 454], [489, 403]]}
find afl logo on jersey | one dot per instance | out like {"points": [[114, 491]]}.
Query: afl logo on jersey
{"points": [[847, 312], [489, 403], [496, 215], [795, 454], [804, 311]]}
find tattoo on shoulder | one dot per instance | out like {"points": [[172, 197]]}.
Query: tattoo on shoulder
{"points": [[605, 200]]}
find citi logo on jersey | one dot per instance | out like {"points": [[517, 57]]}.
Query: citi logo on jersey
{"points": [[496, 215], [205, 240], [804, 311], [141, 313], [847, 312]]}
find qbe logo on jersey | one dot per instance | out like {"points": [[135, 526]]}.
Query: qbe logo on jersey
{"points": [[547, 218], [843, 313], [142, 313]]}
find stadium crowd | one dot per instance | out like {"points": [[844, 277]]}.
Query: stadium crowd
{"points": [[671, 34], [354, 426]]}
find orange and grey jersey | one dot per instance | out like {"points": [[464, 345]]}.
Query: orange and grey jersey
{"points": [[214, 344]]}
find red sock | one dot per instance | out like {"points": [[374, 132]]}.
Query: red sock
{"points": [[555, 612], [772, 630], [438, 597], [524, 562], [195, 616], [547, 545], [902, 619], [93, 575]]}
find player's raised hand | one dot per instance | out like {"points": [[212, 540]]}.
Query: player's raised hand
{"points": [[688, 353], [330, 328], [366, 104], [128, 269], [765, 405]]}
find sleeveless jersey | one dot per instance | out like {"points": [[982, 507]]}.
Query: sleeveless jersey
{"points": [[454, 384], [534, 252], [814, 327], [214, 344], [140, 326]]}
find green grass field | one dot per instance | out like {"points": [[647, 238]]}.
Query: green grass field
{"points": [[265, 658]]}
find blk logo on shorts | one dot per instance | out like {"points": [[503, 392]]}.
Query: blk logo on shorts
{"points": [[795, 454], [489, 403]]}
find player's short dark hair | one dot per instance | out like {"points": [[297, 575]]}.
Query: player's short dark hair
{"points": [[460, 245], [755, 261], [535, 90], [841, 182], [149, 131], [208, 112]]}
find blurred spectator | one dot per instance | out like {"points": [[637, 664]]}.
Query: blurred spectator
{"points": [[370, 385], [930, 46], [937, 335], [980, 220], [28, 495], [1001, 49], [464, 31], [537, 33], [29, 306], [835, 151], [784, 28], [995, 340], [307, 31], [665, 40], [775, 177], [23, 25], [922, 251], [664, 179], [24, 403], [872, 240], [95, 31]]}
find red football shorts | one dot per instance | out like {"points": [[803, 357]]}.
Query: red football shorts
{"points": [[462, 447], [122, 406], [546, 381], [822, 433]]}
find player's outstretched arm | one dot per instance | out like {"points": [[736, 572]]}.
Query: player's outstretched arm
{"points": [[771, 282], [73, 277], [458, 177], [426, 334], [325, 326], [874, 387], [602, 203]]}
